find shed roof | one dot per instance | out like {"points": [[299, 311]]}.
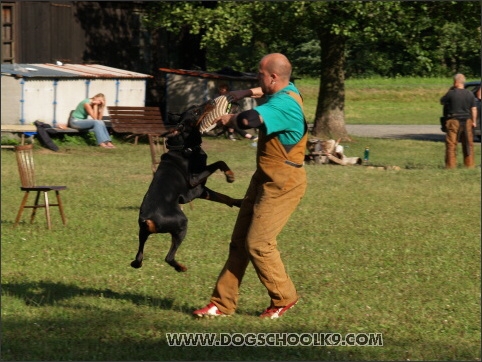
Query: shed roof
{"points": [[83, 71], [225, 73]]}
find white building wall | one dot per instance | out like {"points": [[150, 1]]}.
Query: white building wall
{"points": [[132, 93], [10, 107], [26, 100], [69, 94], [36, 97]]}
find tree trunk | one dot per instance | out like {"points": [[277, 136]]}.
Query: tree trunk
{"points": [[191, 56], [330, 111]]}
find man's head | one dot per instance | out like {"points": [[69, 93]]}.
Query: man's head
{"points": [[459, 80], [274, 72]]}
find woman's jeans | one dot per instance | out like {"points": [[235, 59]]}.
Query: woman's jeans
{"points": [[100, 130]]}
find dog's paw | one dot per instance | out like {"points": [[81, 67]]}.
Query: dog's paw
{"points": [[229, 176], [180, 268], [136, 264]]}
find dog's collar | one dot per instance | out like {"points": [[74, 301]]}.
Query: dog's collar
{"points": [[182, 148], [174, 148]]}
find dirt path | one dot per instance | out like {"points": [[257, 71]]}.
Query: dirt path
{"points": [[424, 132]]}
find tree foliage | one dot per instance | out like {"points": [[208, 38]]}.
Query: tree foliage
{"points": [[332, 39]]}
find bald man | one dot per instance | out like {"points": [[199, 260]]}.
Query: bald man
{"points": [[274, 192], [461, 108]]}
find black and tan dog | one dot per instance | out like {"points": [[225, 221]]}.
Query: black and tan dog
{"points": [[180, 177]]}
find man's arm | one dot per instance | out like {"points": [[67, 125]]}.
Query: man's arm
{"points": [[244, 120], [252, 92], [474, 116], [91, 111]]}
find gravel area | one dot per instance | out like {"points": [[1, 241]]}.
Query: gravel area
{"points": [[415, 132]]}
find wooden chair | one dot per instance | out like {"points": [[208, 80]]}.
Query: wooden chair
{"points": [[157, 147], [26, 170]]}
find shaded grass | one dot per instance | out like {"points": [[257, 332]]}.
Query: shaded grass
{"points": [[369, 250]]}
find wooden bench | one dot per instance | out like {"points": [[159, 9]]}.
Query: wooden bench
{"points": [[136, 120], [23, 129], [65, 129], [141, 121], [20, 129]]}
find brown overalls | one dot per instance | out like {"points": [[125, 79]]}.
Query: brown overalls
{"points": [[274, 192]]}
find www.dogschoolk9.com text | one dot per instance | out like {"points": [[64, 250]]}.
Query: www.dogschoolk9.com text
{"points": [[274, 339]]}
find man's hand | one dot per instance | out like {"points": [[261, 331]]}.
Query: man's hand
{"points": [[225, 119]]}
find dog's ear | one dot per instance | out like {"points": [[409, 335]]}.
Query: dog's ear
{"points": [[173, 118]]}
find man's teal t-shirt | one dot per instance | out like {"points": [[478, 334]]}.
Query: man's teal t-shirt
{"points": [[283, 115]]}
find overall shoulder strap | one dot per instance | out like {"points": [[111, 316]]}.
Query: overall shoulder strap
{"points": [[298, 98]]}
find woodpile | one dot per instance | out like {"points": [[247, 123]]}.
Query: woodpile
{"points": [[329, 152]]}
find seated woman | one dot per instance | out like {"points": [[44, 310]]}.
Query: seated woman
{"points": [[93, 107]]}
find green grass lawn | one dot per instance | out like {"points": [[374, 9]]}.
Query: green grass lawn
{"points": [[370, 251], [384, 101]]}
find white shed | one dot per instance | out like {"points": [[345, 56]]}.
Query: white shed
{"points": [[49, 92]]}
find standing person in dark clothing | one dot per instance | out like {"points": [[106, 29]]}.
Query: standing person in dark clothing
{"points": [[461, 120]]}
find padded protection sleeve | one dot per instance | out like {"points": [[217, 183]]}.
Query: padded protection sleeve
{"points": [[248, 119]]}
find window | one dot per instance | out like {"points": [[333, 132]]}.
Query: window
{"points": [[8, 44]]}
